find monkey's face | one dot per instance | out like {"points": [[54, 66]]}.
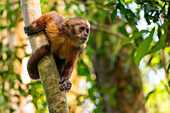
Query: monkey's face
{"points": [[82, 32], [77, 29]]}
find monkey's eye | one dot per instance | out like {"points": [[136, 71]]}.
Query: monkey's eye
{"points": [[87, 30], [82, 28]]}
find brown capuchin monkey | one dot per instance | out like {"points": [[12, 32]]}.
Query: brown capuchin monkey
{"points": [[67, 40]]}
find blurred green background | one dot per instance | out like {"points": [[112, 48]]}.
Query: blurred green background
{"points": [[124, 68]]}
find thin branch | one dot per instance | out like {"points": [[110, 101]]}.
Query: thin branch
{"points": [[107, 30]]}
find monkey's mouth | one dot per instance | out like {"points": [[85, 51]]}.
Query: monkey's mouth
{"points": [[83, 39]]}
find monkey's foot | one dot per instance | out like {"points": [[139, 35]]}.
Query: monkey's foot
{"points": [[66, 84], [30, 29]]}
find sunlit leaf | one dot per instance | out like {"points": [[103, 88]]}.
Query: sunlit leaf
{"points": [[135, 36], [160, 44], [143, 48], [147, 96]]}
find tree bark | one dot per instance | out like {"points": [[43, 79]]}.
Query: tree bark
{"points": [[56, 99]]}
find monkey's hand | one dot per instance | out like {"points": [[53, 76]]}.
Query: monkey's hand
{"points": [[66, 84], [65, 75]]}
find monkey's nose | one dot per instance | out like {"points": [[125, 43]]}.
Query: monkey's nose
{"points": [[85, 34]]}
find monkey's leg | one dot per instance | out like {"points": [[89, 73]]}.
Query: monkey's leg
{"points": [[38, 25], [66, 84], [34, 60], [52, 19]]}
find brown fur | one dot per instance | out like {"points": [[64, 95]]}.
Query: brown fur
{"points": [[67, 40], [34, 59]]}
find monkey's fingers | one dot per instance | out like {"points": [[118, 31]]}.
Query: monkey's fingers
{"points": [[63, 86], [62, 80], [66, 86]]}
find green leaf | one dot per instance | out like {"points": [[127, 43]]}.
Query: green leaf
{"points": [[168, 68], [113, 15], [143, 48], [130, 17], [112, 91], [110, 4], [160, 44], [12, 110], [147, 8], [121, 7], [123, 31], [149, 94], [3, 27], [147, 17], [1, 12], [135, 36], [159, 31]]}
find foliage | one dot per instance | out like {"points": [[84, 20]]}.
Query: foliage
{"points": [[148, 46]]}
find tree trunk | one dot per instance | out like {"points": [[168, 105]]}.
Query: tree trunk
{"points": [[56, 99], [125, 78]]}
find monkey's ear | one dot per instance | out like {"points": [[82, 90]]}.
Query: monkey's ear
{"points": [[65, 26], [66, 23]]}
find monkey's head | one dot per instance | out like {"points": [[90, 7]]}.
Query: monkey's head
{"points": [[77, 29]]}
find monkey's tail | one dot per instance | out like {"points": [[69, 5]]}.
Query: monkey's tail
{"points": [[32, 65]]}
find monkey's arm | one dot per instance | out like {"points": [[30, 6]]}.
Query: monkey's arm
{"points": [[34, 60], [65, 75], [69, 65], [51, 18], [36, 26]]}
